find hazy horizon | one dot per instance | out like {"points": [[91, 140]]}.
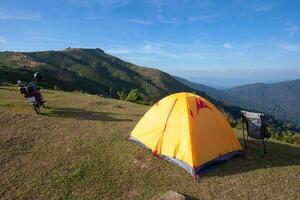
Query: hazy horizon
{"points": [[218, 83], [224, 79]]}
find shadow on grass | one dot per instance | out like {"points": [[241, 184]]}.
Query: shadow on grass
{"points": [[189, 197], [80, 114], [278, 155]]}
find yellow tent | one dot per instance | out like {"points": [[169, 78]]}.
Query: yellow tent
{"points": [[188, 130]]}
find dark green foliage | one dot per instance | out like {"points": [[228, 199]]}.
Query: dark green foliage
{"points": [[122, 95], [134, 96], [286, 135]]}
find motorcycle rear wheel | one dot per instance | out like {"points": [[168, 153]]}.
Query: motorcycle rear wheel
{"points": [[37, 109]]}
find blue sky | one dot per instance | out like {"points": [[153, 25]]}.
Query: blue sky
{"points": [[214, 42]]}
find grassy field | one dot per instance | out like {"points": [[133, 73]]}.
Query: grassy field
{"points": [[78, 148]]}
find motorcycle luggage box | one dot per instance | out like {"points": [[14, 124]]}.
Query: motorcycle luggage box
{"points": [[23, 90], [31, 88]]}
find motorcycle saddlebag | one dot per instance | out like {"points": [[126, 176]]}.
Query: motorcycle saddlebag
{"points": [[31, 88], [23, 90]]}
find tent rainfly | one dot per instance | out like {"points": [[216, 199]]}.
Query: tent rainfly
{"points": [[188, 130]]}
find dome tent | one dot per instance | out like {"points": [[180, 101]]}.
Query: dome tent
{"points": [[188, 130]]}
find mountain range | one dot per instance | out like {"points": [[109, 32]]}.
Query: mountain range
{"points": [[281, 100], [90, 70], [94, 71]]}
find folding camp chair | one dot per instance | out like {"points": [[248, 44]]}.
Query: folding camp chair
{"points": [[256, 127]]}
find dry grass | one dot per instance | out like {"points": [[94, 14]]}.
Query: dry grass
{"points": [[79, 149]]}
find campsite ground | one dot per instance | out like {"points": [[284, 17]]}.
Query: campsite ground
{"points": [[79, 149]]}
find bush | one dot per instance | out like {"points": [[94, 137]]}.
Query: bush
{"points": [[281, 135], [56, 87], [110, 91], [134, 96], [286, 136], [122, 95]]}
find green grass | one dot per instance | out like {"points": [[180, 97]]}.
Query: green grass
{"points": [[78, 148]]}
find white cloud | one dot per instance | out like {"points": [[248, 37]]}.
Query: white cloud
{"points": [[173, 20], [292, 30], [146, 50], [289, 47], [118, 49], [264, 8], [2, 40], [204, 18], [159, 8], [227, 46], [18, 15], [180, 51], [105, 5], [196, 55], [199, 44], [157, 50], [140, 21], [141, 59]]}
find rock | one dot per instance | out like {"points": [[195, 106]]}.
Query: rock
{"points": [[133, 193], [171, 195]]}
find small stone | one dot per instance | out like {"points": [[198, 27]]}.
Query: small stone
{"points": [[171, 195]]}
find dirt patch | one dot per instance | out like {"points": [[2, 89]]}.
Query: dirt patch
{"points": [[140, 163], [133, 193], [26, 61], [22, 143]]}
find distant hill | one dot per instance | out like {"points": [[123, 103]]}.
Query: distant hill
{"points": [[281, 100], [211, 91], [95, 72], [90, 70]]}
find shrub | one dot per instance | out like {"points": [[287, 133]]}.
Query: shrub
{"points": [[110, 92], [122, 95], [286, 136], [134, 96], [281, 135]]}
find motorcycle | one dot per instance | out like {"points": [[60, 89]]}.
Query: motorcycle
{"points": [[32, 93]]}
